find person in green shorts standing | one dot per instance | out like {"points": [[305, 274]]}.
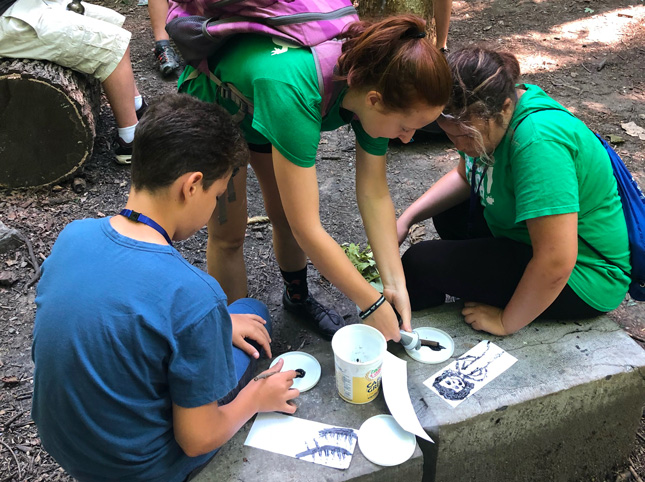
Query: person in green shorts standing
{"points": [[534, 189], [393, 81]]}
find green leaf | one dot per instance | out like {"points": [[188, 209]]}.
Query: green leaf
{"points": [[362, 260], [589, 10]]}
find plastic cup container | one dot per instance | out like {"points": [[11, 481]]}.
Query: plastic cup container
{"points": [[358, 357]]}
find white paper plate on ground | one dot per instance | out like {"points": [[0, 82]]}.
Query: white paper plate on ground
{"points": [[300, 359], [425, 354], [383, 441]]}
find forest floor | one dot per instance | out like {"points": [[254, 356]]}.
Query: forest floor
{"points": [[587, 54]]}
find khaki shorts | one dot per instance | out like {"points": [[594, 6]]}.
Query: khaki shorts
{"points": [[93, 43]]}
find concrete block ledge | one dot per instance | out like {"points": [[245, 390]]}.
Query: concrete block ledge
{"points": [[568, 410]]}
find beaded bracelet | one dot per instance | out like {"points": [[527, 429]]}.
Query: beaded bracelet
{"points": [[364, 314]]}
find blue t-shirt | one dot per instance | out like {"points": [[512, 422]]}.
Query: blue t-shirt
{"points": [[123, 329]]}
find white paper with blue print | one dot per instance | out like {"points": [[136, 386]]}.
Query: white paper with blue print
{"points": [[303, 439]]}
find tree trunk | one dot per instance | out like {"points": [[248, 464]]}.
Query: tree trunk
{"points": [[371, 9], [48, 117]]}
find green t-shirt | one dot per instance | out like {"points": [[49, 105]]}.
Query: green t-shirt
{"points": [[281, 81], [553, 164]]}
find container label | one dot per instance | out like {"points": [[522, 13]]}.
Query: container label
{"points": [[359, 389]]}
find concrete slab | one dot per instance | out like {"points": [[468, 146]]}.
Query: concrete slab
{"points": [[235, 462], [566, 411]]}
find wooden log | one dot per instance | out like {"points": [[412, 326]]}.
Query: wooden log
{"points": [[48, 117]]}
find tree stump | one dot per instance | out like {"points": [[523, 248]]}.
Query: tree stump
{"points": [[48, 117], [378, 9]]}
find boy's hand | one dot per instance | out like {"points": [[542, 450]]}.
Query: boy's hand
{"points": [[251, 327], [275, 392]]}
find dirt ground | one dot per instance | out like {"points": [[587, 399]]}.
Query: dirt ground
{"points": [[588, 54]]}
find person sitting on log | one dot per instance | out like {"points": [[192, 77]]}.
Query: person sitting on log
{"points": [[525, 215], [142, 371], [92, 43]]}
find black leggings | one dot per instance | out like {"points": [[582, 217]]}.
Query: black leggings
{"points": [[475, 267]]}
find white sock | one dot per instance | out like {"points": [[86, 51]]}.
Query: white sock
{"points": [[127, 133], [138, 102]]}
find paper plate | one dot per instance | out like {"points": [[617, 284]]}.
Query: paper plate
{"points": [[300, 359], [383, 441], [425, 354]]}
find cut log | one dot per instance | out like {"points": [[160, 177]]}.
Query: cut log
{"points": [[48, 117]]}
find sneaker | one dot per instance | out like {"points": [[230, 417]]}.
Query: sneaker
{"points": [[166, 56], [122, 151], [142, 110], [326, 320]]}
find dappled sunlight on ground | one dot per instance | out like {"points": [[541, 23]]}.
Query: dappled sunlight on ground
{"points": [[595, 106], [609, 28], [605, 31]]}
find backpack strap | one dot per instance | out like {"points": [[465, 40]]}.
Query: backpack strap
{"points": [[226, 90], [326, 57], [587, 243], [602, 256], [539, 110]]}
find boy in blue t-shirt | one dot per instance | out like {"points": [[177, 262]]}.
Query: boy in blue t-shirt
{"points": [[141, 370]]}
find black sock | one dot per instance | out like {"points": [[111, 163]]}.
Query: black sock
{"points": [[296, 283]]}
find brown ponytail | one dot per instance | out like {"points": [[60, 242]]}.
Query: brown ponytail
{"points": [[397, 59], [482, 81]]}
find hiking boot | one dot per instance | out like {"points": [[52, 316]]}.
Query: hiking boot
{"points": [[166, 56], [325, 320], [142, 110], [122, 151]]}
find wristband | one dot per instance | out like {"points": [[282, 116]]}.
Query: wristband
{"points": [[364, 314]]}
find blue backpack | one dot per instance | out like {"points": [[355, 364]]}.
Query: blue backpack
{"points": [[634, 209], [633, 202]]}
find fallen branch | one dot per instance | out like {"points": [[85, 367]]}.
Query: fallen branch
{"points": [[24, 424], [565, 85], [12, 419], [585, 67], [32, 258], [601, 65], [24, 396], [257, 220], [16, 459], [634, 474]]}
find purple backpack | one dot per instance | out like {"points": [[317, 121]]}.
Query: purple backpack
{"points": [[200, 27]]}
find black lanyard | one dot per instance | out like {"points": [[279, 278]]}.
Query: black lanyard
{"points": [[474, 196], [140, 218]]}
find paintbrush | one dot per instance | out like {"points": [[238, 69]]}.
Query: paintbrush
{"points": [[300, 373], [433, 345]]}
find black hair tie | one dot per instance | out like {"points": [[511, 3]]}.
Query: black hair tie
{"points": [[413, 33]]}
